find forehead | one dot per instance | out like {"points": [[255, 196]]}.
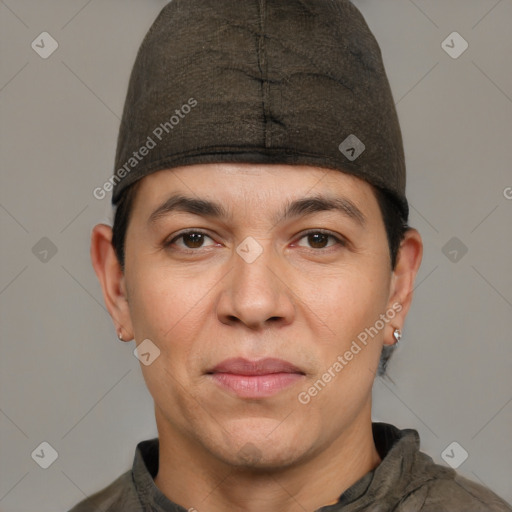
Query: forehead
{"points": [[244, 185]]}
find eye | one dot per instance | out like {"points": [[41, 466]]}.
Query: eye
{"points": [[191, 240], [319, 239]]}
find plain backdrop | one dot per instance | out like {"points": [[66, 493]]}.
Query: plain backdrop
{"points": [[67, 381]]}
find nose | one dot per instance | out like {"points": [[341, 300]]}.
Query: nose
{"points": [[256, 293]]}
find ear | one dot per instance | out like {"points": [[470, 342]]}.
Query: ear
{"points": [[402, 281], [111, 277]]}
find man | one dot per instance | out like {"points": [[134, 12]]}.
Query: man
{"points": [[261, 260]]}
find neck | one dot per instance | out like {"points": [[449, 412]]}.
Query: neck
{"points": [[201, 482]]}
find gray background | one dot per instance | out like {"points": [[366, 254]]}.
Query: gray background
{"points": [[66, 380]]}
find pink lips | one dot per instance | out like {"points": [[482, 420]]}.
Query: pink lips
{"points": [[255, 379]]}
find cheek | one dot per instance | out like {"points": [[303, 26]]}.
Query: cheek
{"points": [[162, 301], [350, 300], [350, 305], [171, 308], [167, 309]]}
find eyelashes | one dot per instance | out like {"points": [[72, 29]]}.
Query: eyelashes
{"points": [[196, 238]]}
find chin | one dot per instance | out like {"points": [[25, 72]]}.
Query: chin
{"points": [[263, 444]]}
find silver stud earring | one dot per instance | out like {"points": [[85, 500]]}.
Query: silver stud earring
{"points": [[397, 334], [120, 336]]}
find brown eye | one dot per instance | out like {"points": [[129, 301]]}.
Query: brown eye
{"points": [[191, 240], [320, 240]]}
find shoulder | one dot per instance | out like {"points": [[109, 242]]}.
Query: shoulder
{"points": [[119, 495], [444, 490], [410, 480]]}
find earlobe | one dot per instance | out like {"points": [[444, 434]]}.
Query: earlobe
{"points": [[402, 282], [111, 278]]}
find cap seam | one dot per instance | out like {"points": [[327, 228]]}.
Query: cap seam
{"points": [[263, 67]]}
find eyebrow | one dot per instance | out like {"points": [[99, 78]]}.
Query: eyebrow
{"points": [[296, 208]]}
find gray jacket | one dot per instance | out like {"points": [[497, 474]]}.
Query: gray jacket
{"points": [[406, 480]]}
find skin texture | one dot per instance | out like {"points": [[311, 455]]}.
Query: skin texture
{"points": [[304, 299]]}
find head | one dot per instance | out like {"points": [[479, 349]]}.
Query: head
{"points": [[254, 230], [318, 285]]}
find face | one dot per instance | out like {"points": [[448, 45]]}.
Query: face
{"points": [[269, 310]]}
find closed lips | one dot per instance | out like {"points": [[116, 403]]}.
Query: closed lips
{"points": [[240, 366], [255, 380]]}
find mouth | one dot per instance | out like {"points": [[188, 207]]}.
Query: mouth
{"points": [[255, 379]]}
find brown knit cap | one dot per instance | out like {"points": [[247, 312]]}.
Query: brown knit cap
{"points": [[261, 81]]}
